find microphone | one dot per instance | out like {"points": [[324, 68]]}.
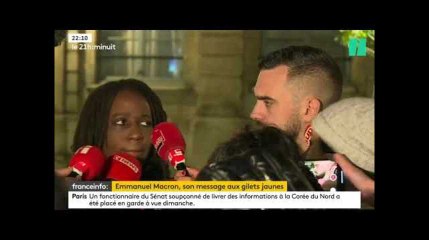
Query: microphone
{"points": [[124, 167], [170, 145], [87, 162]]}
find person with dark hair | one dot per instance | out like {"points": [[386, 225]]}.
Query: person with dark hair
{"points": [[119, 116], [294, 84], [263, 154]]}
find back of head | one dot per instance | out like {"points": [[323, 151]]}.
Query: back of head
{"points": [[264, 154], [314, 70], [93, 121], [347, 127]]}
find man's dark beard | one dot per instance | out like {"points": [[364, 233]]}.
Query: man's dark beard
{"points": [[293, 126]]}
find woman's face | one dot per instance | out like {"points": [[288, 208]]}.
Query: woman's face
{"points": [[130, 126]]}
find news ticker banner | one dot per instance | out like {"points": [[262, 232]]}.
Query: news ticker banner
{"points": [[202, 195]]}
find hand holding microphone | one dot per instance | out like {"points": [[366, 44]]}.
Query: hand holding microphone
{"points": [[180, 175], [170, 145], [88, 162]]}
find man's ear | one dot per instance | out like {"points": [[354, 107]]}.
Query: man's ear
{"points": [[312, 107]]}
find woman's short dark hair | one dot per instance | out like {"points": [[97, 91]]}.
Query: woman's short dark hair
{"points": [[94, 117], [264, 154]]}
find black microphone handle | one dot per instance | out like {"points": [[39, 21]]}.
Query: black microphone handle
{"points": [[73, 174], [182, 167]]}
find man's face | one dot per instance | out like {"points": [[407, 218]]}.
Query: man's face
{"points": [[130, 126], [275, 105]]}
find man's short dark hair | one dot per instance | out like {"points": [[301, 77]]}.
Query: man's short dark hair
{"points": [[310, 62]]}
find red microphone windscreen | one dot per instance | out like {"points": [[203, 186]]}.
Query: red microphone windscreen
{"points": [[124, 167], [169, 143], [88, 161]]}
